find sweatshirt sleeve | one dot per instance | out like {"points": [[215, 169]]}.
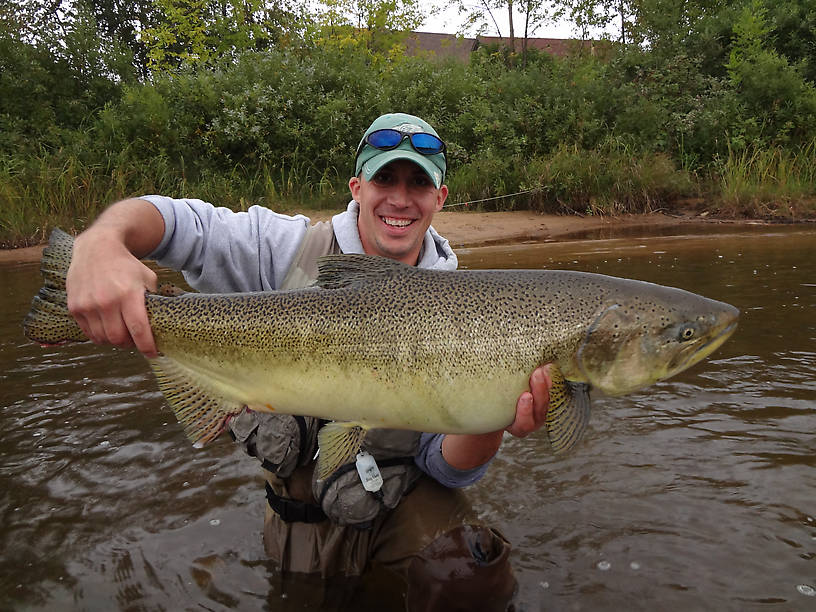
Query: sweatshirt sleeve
{"points": [[429, 459], [220, 250]]}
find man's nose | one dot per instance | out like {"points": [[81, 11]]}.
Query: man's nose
{"points": [[398, 194]]}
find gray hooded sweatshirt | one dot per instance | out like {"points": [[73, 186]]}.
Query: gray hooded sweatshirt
{"points": [[221, 251]]}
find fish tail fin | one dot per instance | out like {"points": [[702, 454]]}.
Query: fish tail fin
{"points": [[568, 414], [48, 321], [202, 412], [339, 443]]}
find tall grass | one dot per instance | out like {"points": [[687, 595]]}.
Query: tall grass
{"points": [[43, 192], [772, 182]]}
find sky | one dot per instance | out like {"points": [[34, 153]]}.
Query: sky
{"points": [[449, 21]]}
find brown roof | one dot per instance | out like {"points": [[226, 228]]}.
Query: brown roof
{"points": [[560, 47], [441, 45], [450, 45]]}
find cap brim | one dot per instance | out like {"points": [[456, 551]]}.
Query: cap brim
{"points": [[371, 166]]}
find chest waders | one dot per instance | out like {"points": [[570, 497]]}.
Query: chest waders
{"points": [[427, 534]]}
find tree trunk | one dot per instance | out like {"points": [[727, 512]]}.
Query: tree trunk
{"points": [[512, 33], [526, 35]]}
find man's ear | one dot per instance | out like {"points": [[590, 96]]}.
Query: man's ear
{"points": [[354, 187], [441, 197]]}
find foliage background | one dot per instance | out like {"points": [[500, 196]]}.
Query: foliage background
{"points": [[255, 102]]}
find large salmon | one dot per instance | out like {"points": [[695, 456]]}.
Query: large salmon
{"points": [[376, 343]]}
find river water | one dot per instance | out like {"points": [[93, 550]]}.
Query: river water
{"points": [[698, 493]]}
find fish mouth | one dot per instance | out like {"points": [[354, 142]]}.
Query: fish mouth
{"points": [[689, 358]]}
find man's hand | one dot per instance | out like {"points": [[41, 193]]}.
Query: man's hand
{"points": [[106, 282], [465, 452], [532, 405], [106, 288]]}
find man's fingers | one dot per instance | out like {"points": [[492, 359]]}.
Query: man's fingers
{"points": [[116, 331], [524, 422], [138, 325], [540, 384]]}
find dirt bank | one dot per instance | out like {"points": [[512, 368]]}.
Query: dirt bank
{"points": [[469, 229]]}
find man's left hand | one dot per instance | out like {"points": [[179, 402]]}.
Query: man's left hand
{"points": [[532, 405], [467, 451]]}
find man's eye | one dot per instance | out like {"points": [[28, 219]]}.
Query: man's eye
{"points": [[382, 177]]}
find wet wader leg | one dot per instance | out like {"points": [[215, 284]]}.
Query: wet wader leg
{"points": [[324, 548], [449, 560]]}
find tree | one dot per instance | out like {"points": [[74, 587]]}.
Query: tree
{"points": [[535, 12], [195, 32], [379, 25]]}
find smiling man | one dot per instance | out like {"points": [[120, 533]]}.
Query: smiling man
{"points": [[411, 517]]}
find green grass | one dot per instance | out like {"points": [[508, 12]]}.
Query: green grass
{"points": [[41, 192], [772, 182]]}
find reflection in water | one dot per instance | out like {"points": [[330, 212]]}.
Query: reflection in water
{"points": [[697, 493]]}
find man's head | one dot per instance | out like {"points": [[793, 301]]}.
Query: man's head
{"points": [[399, 184], [400, 136]]}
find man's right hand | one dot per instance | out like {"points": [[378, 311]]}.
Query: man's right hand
{"points": [[106, 282]]}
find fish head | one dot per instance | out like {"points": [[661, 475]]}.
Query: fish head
{"points": [[650, 336]]}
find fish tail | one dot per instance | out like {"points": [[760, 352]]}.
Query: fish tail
{"points": [[48, 321]]}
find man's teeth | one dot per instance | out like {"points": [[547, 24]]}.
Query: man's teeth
{"points": [[397, 222]]}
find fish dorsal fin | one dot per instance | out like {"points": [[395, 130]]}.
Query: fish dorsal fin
{"points": [[568, 414], [339, 271]]}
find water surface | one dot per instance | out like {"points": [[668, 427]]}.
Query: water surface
{"points": [[697, 493]]}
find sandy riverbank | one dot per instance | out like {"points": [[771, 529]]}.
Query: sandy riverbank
{"points": [[469, 229]]}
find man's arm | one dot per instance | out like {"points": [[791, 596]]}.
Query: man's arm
{"points": [[465, 452], [106, 282]]}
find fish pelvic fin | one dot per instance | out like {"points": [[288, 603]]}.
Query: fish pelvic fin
{"points": [[339, 443], [48, 321], [568, 414], [202, 412]]}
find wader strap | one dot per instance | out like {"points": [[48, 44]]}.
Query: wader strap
{"points": [[293, 510], [319, 240]]}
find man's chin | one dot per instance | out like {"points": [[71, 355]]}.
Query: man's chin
{"points": [[400, 249]]}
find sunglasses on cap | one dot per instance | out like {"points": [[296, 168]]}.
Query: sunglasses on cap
{"points": [[388, 139]]}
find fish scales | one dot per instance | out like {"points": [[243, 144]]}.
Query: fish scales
{"points": [[381, 344]]}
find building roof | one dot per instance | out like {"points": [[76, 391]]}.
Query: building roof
{"points": [[450, 45]]}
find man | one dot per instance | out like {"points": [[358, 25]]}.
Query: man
{"points": [[337, 527]]}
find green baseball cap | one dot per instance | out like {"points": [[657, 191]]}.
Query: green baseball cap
{"points": [[370, 160]]}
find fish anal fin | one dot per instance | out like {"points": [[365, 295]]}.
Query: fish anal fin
{"points": [[202, 412], [339, 443], [568, 414]]}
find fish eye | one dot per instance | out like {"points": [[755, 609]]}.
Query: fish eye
{"points": [[687, 333]]}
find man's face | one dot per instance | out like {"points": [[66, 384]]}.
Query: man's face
{"points": [[396, 208]]}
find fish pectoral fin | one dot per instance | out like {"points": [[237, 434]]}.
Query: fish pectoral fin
{"points": [[339, 443], [568, 414], [202, 412]]}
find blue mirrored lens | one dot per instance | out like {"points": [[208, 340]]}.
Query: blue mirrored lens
{"points": [[426, 143], [384, 139]]}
